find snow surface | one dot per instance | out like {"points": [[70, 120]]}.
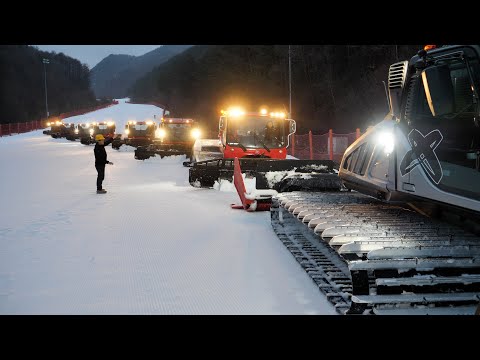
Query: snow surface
{"points": [[152, 245]]}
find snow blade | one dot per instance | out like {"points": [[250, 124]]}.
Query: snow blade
{"points": [[205, 173], [162, 150], [256, 201], [141, 153], [297, 175]]}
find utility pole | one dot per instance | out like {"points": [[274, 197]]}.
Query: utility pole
{"points": [[290, 81], [46, 61]]}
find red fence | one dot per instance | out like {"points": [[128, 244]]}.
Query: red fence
{"points": [[18, 128], [329, 146]]}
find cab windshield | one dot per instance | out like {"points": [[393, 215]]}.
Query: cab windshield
{"points": [[256, 132], [141, 126]]}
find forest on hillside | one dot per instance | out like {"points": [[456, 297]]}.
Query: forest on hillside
{"points": [[22, 73], [332, 86], [112, 76]]}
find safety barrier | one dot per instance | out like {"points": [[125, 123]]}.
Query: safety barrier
{"points": [[329, 146], [18, 128]]}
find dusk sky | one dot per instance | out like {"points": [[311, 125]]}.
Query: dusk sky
{"points": [[93, 54]]}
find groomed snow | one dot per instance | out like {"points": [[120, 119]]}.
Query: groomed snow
{"points": [[152, 245]]}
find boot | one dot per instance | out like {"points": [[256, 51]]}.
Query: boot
{"points": [[102, 191]]}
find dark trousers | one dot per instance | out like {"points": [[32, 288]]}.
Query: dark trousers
{"points": [[100, 176]]}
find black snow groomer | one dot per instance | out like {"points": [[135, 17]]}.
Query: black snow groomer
{"points": [[82, 130], [54, 126], [105, 128], [175, 136], [60, 129], [139, 133]]}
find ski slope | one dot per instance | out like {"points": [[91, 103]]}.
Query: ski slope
{"points": [[152, 245]]}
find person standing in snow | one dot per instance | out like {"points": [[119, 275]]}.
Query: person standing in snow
{"points": [[101, 160]]}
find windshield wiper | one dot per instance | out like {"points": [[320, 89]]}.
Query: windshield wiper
{"points": [[263, 144], [242, 146]]}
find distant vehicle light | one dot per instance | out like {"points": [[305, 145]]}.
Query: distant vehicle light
{"points": [[91, 131], [149, 122], [429, 47], [235, 112], [127, 131], [263, 111]]}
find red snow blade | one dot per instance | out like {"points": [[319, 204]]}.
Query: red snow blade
{"points": [[250, 203]]}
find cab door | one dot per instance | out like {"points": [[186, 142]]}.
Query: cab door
{"points": [[445, 149]]}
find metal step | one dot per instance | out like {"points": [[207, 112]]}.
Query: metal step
{"points": [[457, 310], [416, 298], [407, 264], [429, 280], [429, 251]]}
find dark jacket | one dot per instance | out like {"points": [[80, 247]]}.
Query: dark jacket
{"points": [[100, 152]]}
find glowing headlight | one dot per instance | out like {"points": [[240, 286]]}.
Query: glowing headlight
{"points": [[196, 133], [48, 124], [91, 131], [127, 131], [149, 122], [161, 133], [110, 123], [76, 131], [386, 140]]}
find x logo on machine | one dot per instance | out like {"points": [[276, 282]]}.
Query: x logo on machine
{"points": [[423, 153]]}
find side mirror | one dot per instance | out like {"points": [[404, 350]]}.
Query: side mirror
{"points": [[221, 124], [438, 89], [292, 126]]}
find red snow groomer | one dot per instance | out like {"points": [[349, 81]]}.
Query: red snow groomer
{"points": [[175, 136], [259, 141]]}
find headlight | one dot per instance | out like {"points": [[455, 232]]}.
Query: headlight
{"points": [[196, 133], [127, 131], [386, 140], [76, 131], [161, 133], [48, 124], [91, 131]]}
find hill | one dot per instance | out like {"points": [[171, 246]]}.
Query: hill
{"points": [[112, 76]]}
